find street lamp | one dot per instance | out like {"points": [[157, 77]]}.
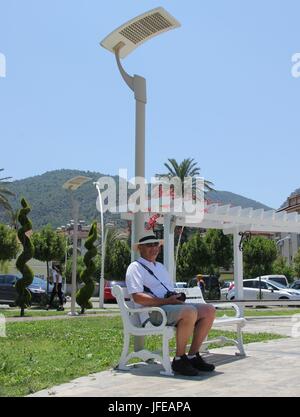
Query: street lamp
{"points": [[72, 185], [122, 42], [103, 237]]}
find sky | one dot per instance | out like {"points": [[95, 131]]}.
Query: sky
{"points": [[220, 90]]}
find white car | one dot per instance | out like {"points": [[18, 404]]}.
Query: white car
{"points": [[227, 286], [180, 285], [256, 289]]}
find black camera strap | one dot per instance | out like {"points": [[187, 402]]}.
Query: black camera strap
{"points": [[151, 273]]}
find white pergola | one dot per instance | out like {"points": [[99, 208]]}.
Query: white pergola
{"points": [[232, 220]]}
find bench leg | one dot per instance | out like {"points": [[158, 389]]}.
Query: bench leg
{"points": [[240, 344], [166, 357], [125, 352]]}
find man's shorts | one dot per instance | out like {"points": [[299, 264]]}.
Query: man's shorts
{"points": [[172, 311]]}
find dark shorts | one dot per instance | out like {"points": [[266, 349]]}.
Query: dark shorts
{"points": [[172, 311]]}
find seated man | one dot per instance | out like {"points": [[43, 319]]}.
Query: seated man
{"points": [[148, 282]]}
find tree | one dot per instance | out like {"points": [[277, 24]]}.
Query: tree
{"points": [[193, 258], [4, 193], [220, 249], [281, 267], [121, 258], [187, 168], [297, 264], [85, 293], [112, 265], [8, 243], [49, 246], [259, 254], [24, 296]]}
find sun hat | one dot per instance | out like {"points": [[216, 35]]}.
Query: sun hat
{"points": [[147, 239]]}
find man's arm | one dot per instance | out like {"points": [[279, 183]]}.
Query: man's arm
{"points": [[148, 300]]}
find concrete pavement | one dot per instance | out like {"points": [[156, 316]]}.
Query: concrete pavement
{"points": [[269, 369]]}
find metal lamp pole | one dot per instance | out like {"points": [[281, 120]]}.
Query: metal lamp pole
{"points": [[121, 42], [101, 281], [72, 185]]}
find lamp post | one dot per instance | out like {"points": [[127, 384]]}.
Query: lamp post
{"points": [[121, 42], [72, 185], [103, 237]]}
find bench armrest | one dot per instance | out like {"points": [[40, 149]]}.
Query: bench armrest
{"points": [[225, 306], [149, 310]]}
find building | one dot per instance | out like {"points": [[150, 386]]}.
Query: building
{"points": [[289, 243]]}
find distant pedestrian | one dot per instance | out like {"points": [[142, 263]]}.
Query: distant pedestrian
{"points": [[57, 288], [201, 283]]}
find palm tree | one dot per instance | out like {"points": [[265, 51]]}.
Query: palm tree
{"points": [[4, 192], [187, 168]]}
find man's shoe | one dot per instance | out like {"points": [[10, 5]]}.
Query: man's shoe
{"points": [[184, 367], [199, 363]]}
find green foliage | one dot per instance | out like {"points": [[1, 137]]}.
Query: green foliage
{"points": [[281, 267], [259, 254], [297, 264], [8, 243], [49, 245], [193, 257], [24, 297], [220, 248], [84, 294], [120, 259]]}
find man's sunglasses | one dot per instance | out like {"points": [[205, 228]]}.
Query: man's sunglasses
{"points": [[151, 245]]}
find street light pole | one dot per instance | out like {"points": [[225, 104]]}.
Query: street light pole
{"points": [[101, 281], [138, 85], [72, 185], [121, 42], [75, 205]]}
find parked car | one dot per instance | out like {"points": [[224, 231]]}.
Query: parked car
{"points": [[8, 292], [180, 284], [225, 287], [108, 297], [295, 285], [280, 279], [268, 290]]}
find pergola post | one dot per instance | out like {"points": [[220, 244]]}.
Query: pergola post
{"points": [[169, 257], [238, 267]]}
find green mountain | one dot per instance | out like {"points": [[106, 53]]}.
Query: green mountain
{"points": [[51, 204]]}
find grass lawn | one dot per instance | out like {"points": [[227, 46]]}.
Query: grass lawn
{"points": [[230, 312], [40, 354], [44, 313]]}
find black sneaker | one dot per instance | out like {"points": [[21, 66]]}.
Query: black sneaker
{"points": [[199, 363], [184, 367]]}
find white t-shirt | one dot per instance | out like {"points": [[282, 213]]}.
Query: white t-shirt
{"points": [[57, 278], [137, 277]]}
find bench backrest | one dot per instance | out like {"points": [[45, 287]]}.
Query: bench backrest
{"points": [[125, 303]]}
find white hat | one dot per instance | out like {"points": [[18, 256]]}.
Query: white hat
{"points": [[147, 239]]}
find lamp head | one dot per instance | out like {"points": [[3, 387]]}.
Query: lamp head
{"points": [[132, 34]]}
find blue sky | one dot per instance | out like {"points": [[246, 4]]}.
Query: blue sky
{"points": [[220, 90]]}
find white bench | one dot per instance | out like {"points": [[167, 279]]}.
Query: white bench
{"points": [[132, 326]]}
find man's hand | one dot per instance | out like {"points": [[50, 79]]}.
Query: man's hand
{"points": [[174, 299]]}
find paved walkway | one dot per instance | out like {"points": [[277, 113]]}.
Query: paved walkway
{"points": [[269, 369]]}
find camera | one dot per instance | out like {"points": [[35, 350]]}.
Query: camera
{"points": [[170, 293]]}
